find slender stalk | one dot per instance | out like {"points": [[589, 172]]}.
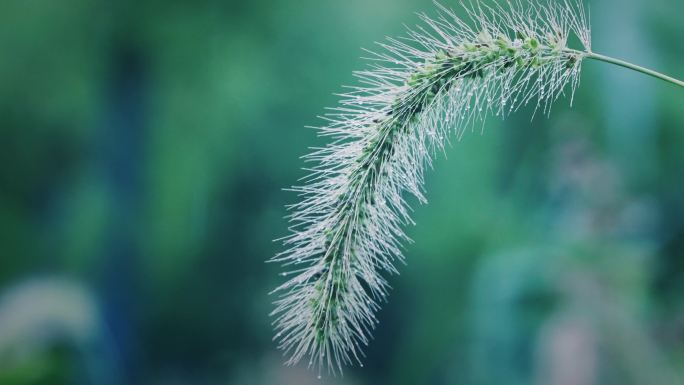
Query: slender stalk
{"points": [[634, 67]]}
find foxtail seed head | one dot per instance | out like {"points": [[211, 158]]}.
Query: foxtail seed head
{"points": [[445, 75]]}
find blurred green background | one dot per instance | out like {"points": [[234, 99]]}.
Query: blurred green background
{"points": [[144, 145]]}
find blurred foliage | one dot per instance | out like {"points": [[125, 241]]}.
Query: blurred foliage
{"points": [[145, 145]]}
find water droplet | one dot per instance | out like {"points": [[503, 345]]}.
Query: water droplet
{"points": [[361, 365], [319, 376]]}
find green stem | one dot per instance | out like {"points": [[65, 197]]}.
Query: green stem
{"points": [[634, 67]]}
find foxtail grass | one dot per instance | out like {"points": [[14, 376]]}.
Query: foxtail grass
{"points": [[440, 80]]}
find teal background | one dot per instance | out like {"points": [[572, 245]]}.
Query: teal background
{"points": [[144, 146]]}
